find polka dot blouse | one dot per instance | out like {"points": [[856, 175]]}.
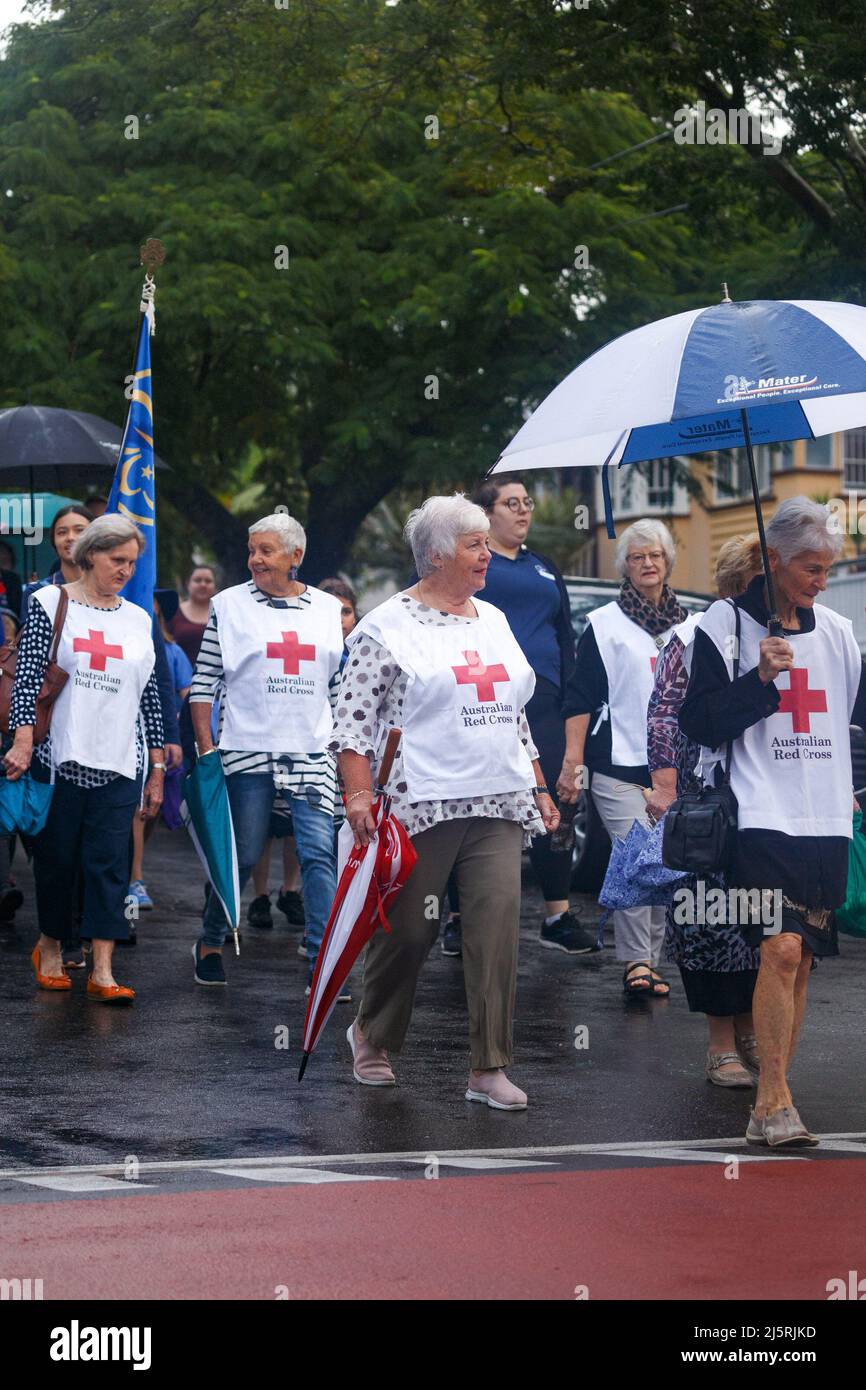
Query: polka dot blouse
{"points": [[371, 699]]}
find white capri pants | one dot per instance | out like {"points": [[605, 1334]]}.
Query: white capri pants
{"points": [[638, 932]]}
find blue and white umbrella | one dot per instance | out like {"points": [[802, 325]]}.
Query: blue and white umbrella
{"points": [[759, 371]]}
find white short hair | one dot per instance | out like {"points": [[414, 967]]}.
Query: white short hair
{"points": [[647, 531], [288, 528], [106, 532], [799, 525], [434, 527]]}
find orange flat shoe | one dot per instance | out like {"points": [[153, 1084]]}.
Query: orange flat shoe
{"points": [[109, 994], [48, 981]]}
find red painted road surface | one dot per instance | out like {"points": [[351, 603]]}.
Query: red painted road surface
{"points": [[650, 1233]]}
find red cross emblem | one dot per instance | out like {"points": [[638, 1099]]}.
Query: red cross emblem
{"points": [[97, 648], [800, 701], [483, 677], [291, 652]]}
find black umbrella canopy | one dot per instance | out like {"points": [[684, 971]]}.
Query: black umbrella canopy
{"points": [[47, 449]]}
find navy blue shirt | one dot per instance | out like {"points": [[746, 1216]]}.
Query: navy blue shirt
{"points": [[530, 592]]}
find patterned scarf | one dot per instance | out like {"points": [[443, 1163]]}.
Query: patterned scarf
{"points": [[653, 620]]}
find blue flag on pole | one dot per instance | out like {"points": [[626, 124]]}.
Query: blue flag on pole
{"points": [[133, 492]]}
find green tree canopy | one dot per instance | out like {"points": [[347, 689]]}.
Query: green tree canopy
{"points": [[433, 170]]}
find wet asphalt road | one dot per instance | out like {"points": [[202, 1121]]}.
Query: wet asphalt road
{"points": [[192, 1073]]}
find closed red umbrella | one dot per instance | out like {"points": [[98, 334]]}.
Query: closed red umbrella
{"points": [[371, 876]]}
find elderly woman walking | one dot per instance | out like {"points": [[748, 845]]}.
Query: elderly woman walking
{"points": [[786, 716], [106, 727], [275, 645], [610, 691], [718, 969], [444, 667]]}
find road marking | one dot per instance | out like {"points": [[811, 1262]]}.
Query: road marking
{"points": [[82, 1182], [690, 1156], [475, 1161], [296, 1175], [551, 1151]]}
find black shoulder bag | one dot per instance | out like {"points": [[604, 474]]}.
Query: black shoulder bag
{"points": [[700, 827]]}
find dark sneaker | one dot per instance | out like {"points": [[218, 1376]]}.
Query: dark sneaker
{"points": [[259, 912], [302, 947], [9, 903], [291, 905], [568, 935], [208, 969], [452, 937]]}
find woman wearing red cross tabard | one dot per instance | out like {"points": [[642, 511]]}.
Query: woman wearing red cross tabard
{"points": [[787, 715], [445, 667], [106, 733]]}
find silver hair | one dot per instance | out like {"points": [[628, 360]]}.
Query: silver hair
{"points": [[288, 528], [800, 524], [434, 527], [105, 533], [648, 531]]}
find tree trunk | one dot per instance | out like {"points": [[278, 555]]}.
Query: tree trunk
{"points": [[333, 519], [226, 534]]}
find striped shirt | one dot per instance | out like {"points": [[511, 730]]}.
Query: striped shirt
{"points": [[311, 775]]}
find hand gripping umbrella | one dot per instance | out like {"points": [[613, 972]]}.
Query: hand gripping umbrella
{"points": [[760, 370], [207, 816], [371, 876]]}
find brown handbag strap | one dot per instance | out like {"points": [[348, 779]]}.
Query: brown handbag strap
{"points": [[59, 620]]}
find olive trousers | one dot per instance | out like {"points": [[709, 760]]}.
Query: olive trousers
{"points": [[484, 854]]}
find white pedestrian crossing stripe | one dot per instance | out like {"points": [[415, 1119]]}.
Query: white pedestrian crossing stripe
{"points": [[83, 1182], [298, 1175]]}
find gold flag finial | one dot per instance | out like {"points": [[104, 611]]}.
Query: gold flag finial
{"points": [[152, 254]]}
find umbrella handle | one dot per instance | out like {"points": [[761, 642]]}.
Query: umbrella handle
{"points": [[391, 746]]}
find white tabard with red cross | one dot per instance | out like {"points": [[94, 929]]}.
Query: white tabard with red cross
{"points": [[467, 683], [109, 655], [277, 664], [629, 657], [792, 771]]}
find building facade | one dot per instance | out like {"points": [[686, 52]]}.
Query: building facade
{"points": [[833, 466]]}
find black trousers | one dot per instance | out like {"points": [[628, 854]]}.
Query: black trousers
{"points": [[547, 726], [87, 834]]}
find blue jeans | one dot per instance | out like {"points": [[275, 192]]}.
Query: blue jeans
{"points": [[251, 796]]}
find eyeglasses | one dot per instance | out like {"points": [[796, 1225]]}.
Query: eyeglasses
{"points": [[516, 504], [655, 555]]}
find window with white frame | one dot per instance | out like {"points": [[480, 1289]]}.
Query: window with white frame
{"points": [[654, 488], [774, 458], [731, 474], [854, 460], [819, 452], [660, 485]]}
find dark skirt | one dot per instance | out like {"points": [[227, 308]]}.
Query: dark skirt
{"points": [[720, 993], [820, 943]]}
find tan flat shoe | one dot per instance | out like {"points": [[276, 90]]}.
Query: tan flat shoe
{"points": [[741, 1078]]}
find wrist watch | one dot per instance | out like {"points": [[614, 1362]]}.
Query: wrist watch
{"points": [[157, 767]]}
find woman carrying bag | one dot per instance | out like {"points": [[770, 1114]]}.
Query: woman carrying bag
{"points": [[105, 723]]}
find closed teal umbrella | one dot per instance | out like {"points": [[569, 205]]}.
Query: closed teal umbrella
{"points": [[208, 818]]}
